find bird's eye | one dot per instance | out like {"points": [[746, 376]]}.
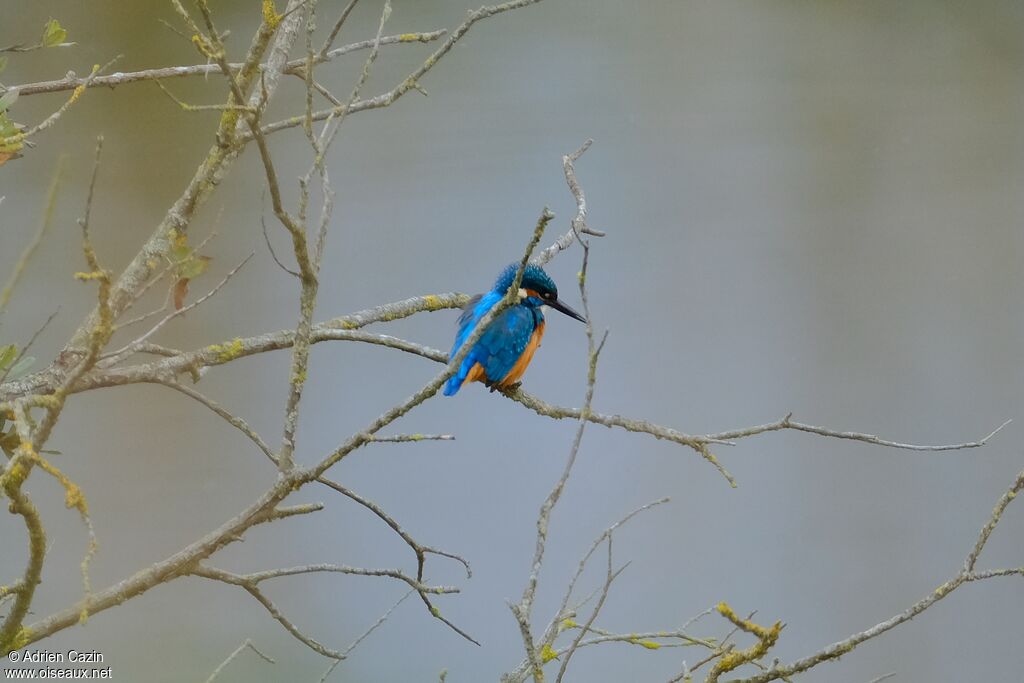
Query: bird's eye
{"points": [[548, 295]]}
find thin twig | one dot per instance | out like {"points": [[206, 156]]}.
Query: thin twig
{"points": [[355, 643], [325, 50], [579, 222], [247, 645], [37, 239], [130, 347], [788, 423], [28, 345]]}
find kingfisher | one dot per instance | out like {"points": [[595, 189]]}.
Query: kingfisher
{"points": [[501, 355]]}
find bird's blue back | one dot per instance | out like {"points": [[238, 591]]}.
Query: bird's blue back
{"points": [[500, 346]]}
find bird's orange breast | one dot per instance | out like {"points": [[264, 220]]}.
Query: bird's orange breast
{"points": [[519, 368]]}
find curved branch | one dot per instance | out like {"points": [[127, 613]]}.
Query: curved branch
{"points": [[12, 634], [250, 582]]}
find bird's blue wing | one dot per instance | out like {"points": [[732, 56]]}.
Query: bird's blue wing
{"points": [[500, 346], [471, 314], [504, 342]]}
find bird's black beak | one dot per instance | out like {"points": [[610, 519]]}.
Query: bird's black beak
{"points": [[559, 306]]}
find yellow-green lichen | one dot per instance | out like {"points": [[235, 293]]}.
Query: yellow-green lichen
{"points": [[547, 653], [649, 644], [51, 401], [73, 496], [270, 16], [227, 352], [14, 477], [94, 275], [22, 638], [766, 638], [408, 38]]}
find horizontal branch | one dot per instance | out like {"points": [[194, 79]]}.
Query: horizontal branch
{"points": [[788, 423], [346, 328], [255, 578], [342, 328], [295, 67]]}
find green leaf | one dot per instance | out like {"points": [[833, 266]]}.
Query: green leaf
{"points": [[180, 253], [7, 99], [194, 267], [3, 63], [7, 355], [53, 34], [7, 127]]}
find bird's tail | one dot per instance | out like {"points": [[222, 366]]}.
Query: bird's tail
{"points": [[455, 382], [469, 371], [453, 385]]}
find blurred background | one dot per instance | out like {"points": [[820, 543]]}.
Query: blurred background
{"points": [[810, 207]]}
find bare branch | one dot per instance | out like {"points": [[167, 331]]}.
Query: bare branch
{"points": [[337, 28], [788, 423], [259, 577], [236, 422], [55, 116], [579, 221], [250, 582], [883, 677], [421, 551], [292, 68]]}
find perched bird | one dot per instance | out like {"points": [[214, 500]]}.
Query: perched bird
{"points": [[501, 355]]}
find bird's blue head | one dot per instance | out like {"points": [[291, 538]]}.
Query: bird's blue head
{"points": [[536, 288]]}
